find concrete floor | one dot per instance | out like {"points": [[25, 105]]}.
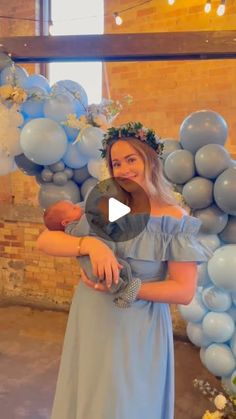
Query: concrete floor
{"points": [[30, 347]]}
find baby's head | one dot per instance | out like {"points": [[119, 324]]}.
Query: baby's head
{"points": [[58, 215]]}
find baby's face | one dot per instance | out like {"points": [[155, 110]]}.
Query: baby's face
{"points": [[72, 212]]}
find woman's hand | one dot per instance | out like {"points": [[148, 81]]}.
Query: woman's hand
{"points": [[104, 263], [98, 286]]}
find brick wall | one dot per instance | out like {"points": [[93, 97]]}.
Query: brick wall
{"points": [[165, 93]]}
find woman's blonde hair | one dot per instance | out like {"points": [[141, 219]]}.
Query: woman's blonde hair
{"points": [[159, 188]]}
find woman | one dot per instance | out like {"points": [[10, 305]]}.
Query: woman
{"points": [[118, 364]]}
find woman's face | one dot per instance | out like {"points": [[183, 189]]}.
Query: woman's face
{"points": [[128, 166]]}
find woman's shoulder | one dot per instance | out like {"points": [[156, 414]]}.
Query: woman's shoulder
{"points": [[170, 210]]}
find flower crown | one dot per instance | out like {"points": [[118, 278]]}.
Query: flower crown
{"points": [[134, 130]]}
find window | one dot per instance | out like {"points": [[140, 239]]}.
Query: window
{"points": [[78, 17]]}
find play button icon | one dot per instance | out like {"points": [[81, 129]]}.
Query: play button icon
{"points": [[116, 209], [110, 214]]}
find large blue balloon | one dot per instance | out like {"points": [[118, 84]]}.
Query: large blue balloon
{"points": [[74, 157], [219, 327], [50, 194], [225, 191], [38, 80], [196, 335], [43, 141], [222, 267], [58, 107], [78, 92], [33, 107], [195, 311], [219, 359], [216, 299], [201, 128]]}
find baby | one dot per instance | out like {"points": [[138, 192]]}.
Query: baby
{"points": [[71, 218]]}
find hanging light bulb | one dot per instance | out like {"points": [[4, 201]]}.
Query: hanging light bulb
{"points": [[170, 2], [50, 27], [221, 8], [118, 19], [207, 7]]}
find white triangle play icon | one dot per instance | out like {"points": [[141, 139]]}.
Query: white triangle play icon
{"points": [[116, 209]]}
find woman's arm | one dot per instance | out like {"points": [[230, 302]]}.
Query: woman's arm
{"points": [[178, 288], [103, 260]]}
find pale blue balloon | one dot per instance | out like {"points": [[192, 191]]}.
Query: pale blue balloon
{"points": [[216, 299], [38, 80], [211, 160], [201, 128], [33, 107], [213, 219], [91, 142], [228, 235], [59, 107], [46, 175], [170, 145], [94, 167], [232, 312], [196, 335], [59, 178], [87, 186], [74, 157], [14, 75], [59, 166], [209, 240], [69, 173], [219, 327], [78, 92], [195, 311], [220, 360], [50, 194], [203, 278], [198, 192], [179, 166], [225, 191], [233, 343], [43, 141], [80, 175], [222, 267]]}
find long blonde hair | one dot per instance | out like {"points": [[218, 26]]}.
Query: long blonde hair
{"points": [[159, 188]]}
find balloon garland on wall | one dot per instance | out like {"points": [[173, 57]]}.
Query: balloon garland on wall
{"points": [[204, 172], [53, 134]]}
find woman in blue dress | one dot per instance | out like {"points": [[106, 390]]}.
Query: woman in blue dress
{"points": [[118, 363]]}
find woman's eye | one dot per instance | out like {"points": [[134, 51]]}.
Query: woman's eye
{"points": [[115, 165], [131, 160]]}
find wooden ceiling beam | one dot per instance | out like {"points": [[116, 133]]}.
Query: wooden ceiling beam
{"points": [[163, 46]]}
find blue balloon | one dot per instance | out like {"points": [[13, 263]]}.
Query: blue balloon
{"points": [[222, 267], [14, 75], [33, 107], [75, 89], [74, 158], [59, 166], [91, 142], [196, 335], [60, 178], [219, 359], [225, 191], [87, 186], [201, 128], [38, 80], [233, 343], [71, 133], [216, 299], [43, 141], [46, 175], [50, 194], [58, 107], [219, 327], [69, 172], [80, 175], [195, 311]]}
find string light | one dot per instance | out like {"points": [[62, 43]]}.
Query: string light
{"points": [[170, 2], [207, 7], [221, 8], [118, 19]]}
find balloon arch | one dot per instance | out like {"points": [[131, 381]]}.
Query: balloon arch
{"points": [[51, 133]]}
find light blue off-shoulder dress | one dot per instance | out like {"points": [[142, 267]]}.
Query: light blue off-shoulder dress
{"points": [[118, 364]]}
